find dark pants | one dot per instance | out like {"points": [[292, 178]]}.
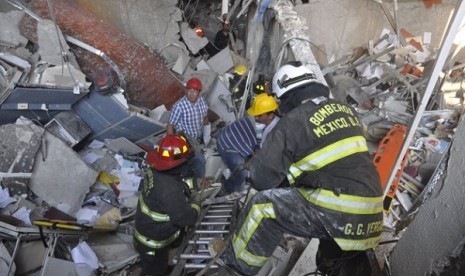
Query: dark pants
{"points": [[235, 163], [198, 162], [267, 216], [153, 262]]}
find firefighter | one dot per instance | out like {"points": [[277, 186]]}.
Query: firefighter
{"points": [[163, 210], [314, 175]]}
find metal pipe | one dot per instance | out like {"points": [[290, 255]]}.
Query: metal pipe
{"points": [[224, 7]]}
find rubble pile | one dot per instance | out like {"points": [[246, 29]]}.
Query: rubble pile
{"points": [[385, 82], [72, 147]]}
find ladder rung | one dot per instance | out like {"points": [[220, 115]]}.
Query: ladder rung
{"points": [[222, 206], [199, 266], [211, 231], [214, 223], [198, 242], [211, 217], [219, 211], [195, 256]]}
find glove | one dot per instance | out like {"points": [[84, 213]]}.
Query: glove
{"points": [[207, 131]]}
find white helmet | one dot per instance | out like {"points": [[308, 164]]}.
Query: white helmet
{"points": [[290, 76]]}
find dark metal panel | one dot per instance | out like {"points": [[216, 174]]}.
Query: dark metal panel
{"points": [[34, 98], [108, 119]]}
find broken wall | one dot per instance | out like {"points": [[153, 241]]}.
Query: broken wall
{"points": [[339, 26], [436, 234]]}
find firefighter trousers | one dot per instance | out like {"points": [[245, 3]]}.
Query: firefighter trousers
{"points": [[267, 216]]}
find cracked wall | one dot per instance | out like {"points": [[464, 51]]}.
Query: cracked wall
{"points": [[338, 26]]}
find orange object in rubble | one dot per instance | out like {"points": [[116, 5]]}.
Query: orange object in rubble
{"points": [[385, 159]]}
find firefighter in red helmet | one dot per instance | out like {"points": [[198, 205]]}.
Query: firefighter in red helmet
{"points": [[164, 210]]}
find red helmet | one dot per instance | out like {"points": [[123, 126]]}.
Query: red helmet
{"points": [[194, 83], [172, 151]]}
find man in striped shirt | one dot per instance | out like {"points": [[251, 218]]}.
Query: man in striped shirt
{"points": [[239, 140]]}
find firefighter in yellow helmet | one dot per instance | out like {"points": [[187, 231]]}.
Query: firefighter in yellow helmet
{"points": [[163, 210], [238, 140], [263, 109]]}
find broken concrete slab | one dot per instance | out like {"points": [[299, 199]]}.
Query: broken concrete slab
{"points": [[19, 145], [149, 82], [194, 42], [61, 178], [10, 31], [113, 251]]}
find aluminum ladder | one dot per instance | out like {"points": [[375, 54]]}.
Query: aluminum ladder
{"points": [[215, 222]]}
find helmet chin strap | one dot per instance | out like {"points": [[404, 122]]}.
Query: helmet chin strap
{"points": [[290, 81], [297, 96]]}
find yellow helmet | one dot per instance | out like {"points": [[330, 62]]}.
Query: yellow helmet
{"points": [[240, 69], [262, 104]]}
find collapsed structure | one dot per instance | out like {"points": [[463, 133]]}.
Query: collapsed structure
{"points": [[79, 110]]}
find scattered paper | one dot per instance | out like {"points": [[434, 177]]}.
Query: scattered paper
{"points": [[83, 254]]}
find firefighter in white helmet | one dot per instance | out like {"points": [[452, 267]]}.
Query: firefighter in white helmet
{"points": [[314, 175]]}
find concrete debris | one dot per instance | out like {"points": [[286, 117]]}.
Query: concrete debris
{"points": [[143, 70], [90, 110]]}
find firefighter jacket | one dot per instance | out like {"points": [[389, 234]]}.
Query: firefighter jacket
{"points": [[319, 149], [163, 209]]}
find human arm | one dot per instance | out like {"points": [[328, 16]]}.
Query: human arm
{"points": [[268, 166], [174, 117], [169, 129], [286, 143], [176, 205]]}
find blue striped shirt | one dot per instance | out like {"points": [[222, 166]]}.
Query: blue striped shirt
{"points": [[239, 136], [187, 117]]}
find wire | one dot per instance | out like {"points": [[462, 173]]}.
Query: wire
{"points": [[64, 54], [313, 273]]}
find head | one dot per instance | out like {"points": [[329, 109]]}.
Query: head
{"points": [[290, 76], [171, 151], [263, 108], [225, 24], [193, 88], [294, 83]]}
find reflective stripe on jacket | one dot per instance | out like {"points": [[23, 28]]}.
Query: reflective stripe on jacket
{"points": [[251, 223], [153, 243], [354, 222], [155, 216], [327, 155]]}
